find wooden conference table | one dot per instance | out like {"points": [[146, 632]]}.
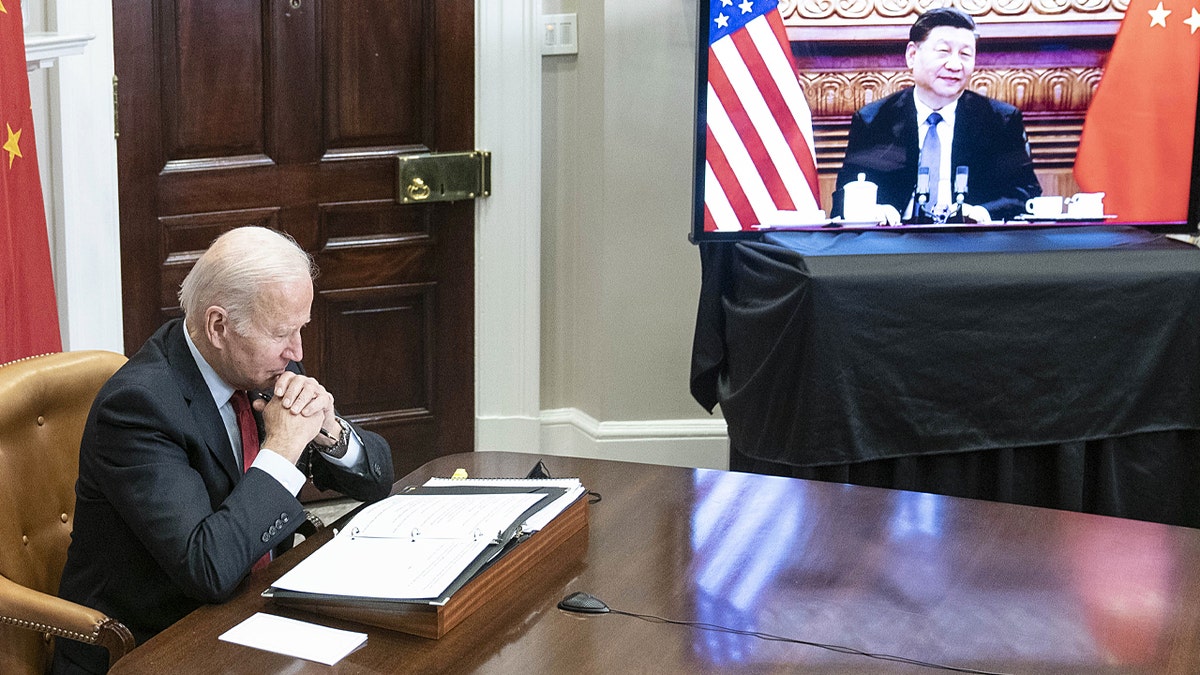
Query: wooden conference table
{"points": [[966, 583]]}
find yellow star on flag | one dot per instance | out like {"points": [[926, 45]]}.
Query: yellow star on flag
{"points": [[13, 145], [2, 9]]}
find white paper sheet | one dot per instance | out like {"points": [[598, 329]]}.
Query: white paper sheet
{"points": [[294, 638], [574, 489]]}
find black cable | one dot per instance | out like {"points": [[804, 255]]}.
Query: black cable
{"points": [[589, 604]]}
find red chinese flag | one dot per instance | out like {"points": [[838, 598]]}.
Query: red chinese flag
{"points": [[28, 312], [1137, 139]]}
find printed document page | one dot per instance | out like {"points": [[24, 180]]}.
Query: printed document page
{"points": [[407, 547]]}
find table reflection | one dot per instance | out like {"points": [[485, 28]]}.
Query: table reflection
{"points": [[771, 556]]}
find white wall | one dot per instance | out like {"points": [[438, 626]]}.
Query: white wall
{"points": [[73, 119], [620, 281]]}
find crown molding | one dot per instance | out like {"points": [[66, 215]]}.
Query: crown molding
{"points": [[43, 49]]}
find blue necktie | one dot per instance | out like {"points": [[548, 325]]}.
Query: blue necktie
{"points": [[931, 156]]}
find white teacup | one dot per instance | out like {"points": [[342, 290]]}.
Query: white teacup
{"points": [[1086, 205], [858, 203], [1046, 206]]}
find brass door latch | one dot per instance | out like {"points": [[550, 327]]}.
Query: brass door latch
{"points": [[443, 177]]}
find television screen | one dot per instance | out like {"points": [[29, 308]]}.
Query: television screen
{"points": [[1053, 114]]}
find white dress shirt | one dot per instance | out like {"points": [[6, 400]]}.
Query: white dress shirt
{"points": [[940, 193]]}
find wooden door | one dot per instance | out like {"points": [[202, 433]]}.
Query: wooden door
{"points": [[290, 114]]}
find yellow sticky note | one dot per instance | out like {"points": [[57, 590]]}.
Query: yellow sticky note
{"points": [[459, 473]]}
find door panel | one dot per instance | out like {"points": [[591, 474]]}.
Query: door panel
{"points": [[212, 89], [290, 114], [361, 39]]}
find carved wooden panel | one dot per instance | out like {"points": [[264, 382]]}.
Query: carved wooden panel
{"points": [[1066, 90], [212, 75], [372, 49], [404, 312]]}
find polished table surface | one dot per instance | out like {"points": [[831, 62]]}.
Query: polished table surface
{"points": [[963, 583]]}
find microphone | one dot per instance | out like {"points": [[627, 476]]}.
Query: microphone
{"points": [[921, 205], [583, 603], [960, 184]]}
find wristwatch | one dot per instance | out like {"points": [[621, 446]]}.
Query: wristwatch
{"points": [[337, 450]]}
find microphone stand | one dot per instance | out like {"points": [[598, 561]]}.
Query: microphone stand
{"points": [[960, 197], [921, 212]]}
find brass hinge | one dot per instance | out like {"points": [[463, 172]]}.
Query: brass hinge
{"points": [[116, 111], [443, 176]]}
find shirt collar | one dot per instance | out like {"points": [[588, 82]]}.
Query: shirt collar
{"points": [[947, 111], [216, 386]]}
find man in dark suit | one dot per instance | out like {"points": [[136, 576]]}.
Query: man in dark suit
{"points": [[184, 485], [889, 137]]}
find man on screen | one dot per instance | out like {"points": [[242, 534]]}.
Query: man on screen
{"points": [[890, 139]]}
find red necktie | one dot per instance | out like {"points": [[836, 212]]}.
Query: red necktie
{"points": [[249, 431], [245, 421]]}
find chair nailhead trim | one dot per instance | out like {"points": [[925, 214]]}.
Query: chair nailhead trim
{"points": [[43, 628]]}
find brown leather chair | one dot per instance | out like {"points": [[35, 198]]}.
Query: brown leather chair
{"points": [[44, 402]]}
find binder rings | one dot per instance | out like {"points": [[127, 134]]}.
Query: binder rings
{"points": [[504, 558]]}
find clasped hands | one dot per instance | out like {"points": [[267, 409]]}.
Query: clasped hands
{"points": [[299, 410]]}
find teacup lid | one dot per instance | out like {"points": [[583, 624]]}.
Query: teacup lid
{"points": [[862, 180]]}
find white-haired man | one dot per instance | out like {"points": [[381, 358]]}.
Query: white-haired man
{"points": [[195, 450]]}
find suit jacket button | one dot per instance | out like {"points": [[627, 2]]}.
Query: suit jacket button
{"points": [[272, 530], [266, 537], [283, 517]]}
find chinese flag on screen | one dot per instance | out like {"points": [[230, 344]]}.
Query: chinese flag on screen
{"points": [[28, 313], [1137, 138]]}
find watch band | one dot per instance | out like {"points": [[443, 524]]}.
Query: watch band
{"points": [[338, 450]]}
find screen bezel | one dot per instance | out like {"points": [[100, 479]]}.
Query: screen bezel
{"points": [[698, 234]]}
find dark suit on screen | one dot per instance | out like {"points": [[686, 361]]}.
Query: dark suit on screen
{"points": [[165, 520], [989, 139]]}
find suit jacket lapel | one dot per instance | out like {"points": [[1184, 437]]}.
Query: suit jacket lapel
{"points": [[209, 424], [905, 128], [966, 116]]}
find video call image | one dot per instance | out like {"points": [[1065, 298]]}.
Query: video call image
{"points": [[1053, 116]]}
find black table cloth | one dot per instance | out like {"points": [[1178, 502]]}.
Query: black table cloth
{"points": [[1056, 367]]}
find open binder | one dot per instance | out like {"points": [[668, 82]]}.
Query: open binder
{"points": [[454, 544]]}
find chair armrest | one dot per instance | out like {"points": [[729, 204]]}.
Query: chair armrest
{"points": [[43, 613]]}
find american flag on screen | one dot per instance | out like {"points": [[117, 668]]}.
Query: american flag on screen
{"points": [[759, 151]]}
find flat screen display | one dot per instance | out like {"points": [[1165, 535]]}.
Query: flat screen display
{"points": [[1069, 118]]}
